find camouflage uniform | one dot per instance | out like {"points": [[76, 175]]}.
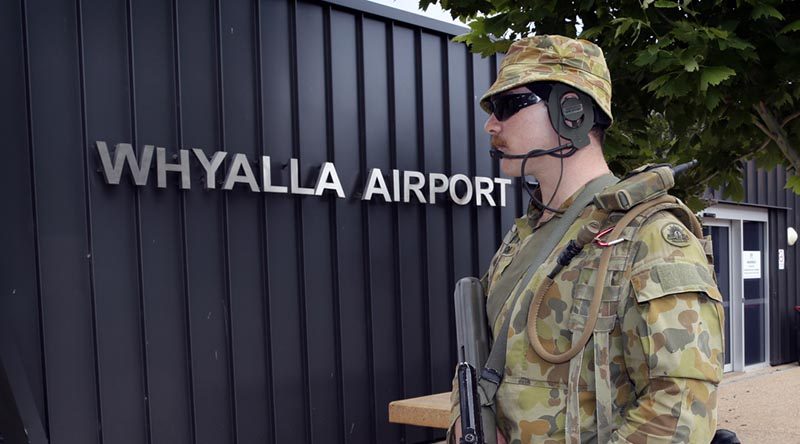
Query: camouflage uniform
{"points": [[650, 372]]}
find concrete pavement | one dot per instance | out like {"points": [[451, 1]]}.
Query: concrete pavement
{"points": [[762, 406]]}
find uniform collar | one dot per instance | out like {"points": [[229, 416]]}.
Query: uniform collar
{"points": [[529, 223]]}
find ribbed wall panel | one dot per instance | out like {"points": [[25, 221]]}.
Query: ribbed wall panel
{"points": [[147, 315], [767, 189]]}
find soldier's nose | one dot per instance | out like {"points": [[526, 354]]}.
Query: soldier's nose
{"points": [[492, 125]]}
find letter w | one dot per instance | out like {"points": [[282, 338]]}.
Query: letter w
{"points": [[124, 154]]}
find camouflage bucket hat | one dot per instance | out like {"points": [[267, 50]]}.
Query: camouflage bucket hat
{"points": [[554, 58]]}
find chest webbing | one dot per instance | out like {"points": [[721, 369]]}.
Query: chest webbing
{"points": [[605, 316], [556, 229]]}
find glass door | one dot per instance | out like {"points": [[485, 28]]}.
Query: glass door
{"points": [[754, 292], [741, 263]]}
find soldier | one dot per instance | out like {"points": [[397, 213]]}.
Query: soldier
{"points": [[624, 343]]}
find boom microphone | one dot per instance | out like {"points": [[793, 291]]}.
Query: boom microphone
{"points": [[496, 154]]}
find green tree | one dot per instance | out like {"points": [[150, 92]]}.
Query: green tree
{"points": [[713, 80]]}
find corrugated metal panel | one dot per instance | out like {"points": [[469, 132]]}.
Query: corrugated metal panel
{"points": [[149, 315], [767, 188], [20, 297], [169, 316]]}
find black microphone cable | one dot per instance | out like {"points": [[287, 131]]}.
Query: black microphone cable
{"points": [[531, 190], [496, 154]]}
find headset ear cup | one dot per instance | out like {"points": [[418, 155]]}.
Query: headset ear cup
{"points": [[572, 111], [571, 114]]}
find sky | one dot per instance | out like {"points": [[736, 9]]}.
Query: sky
{"points": [[434, 11]]}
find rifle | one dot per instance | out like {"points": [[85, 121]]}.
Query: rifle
{"points": [[471, 427], [477, 420]]}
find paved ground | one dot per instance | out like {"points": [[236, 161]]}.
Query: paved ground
{"points": [[762, 406]]}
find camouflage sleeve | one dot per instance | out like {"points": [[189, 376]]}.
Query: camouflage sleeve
{"points": [[671, 324], [455, 408]]}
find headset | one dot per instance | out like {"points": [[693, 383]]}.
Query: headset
{"points": [[572, 114]]}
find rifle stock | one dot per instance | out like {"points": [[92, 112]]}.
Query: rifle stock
{"points": [[477, 421], [471, 326], [471, 426]]}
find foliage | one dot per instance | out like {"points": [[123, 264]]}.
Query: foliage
{"points": [[713, 80]]}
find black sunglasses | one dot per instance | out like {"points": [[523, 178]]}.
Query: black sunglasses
{"points": [[505, 106]]}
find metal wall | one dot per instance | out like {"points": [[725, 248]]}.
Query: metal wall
{"points": [[147, 315], [767, 188], [166, 316]]}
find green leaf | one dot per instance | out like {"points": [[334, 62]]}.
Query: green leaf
{"points": [[720, 33], [478, 26], [666, 4], [663, 63], [624, 24], [677, 87], [484, 46], [645, 58], [714, 75], [794, 26], [657, 83], [770, 157], [685, 32], [699, 73], [591, 33], [735, 190], [729, 25], [735, 43], [763, 10], [423, 4], [480, 43], [663, 43], [793, 183], [497, 24], [691, 65], [712, 99], [695, 203], [784, 99]]}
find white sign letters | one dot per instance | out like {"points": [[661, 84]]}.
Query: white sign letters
{"points": [[397, 186]]}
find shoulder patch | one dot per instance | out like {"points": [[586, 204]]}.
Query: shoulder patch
{"points": [[676, 234]]}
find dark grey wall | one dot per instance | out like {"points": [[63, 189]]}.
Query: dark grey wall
{"points": [[767, 188], [165, 316]]}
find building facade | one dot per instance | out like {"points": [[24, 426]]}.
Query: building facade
{"points": [[187, 296]]}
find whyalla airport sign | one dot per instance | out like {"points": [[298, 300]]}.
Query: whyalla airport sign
{"points": [[398, 186]]}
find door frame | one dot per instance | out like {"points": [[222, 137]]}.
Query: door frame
{"points": [[726, 223], [733, 216]]}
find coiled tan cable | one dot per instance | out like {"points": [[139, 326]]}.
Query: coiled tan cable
{"points": [[594, 307]]}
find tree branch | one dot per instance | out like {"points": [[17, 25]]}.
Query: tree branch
{"points": [[664, 16], [776, 132], [790, 118], [743, 156], [762, 128], [704, 182]]}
